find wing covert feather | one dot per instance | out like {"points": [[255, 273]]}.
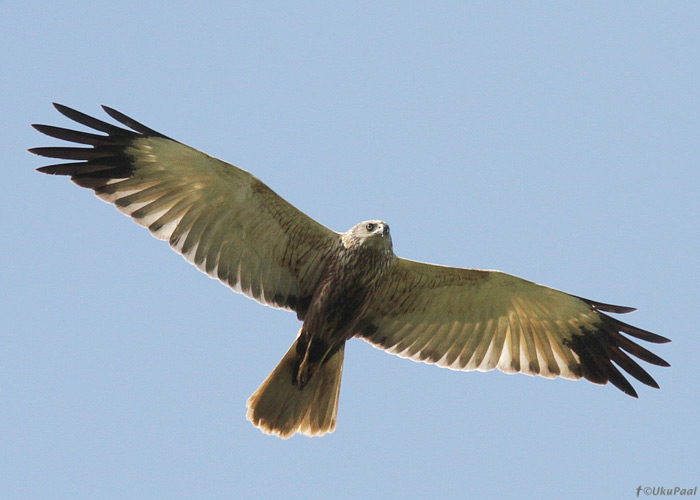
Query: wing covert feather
{"points": [[219, 217]]}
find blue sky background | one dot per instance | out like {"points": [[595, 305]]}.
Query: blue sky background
{"points": [[558, 141]]}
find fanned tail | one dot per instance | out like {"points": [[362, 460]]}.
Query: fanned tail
{"points": [[278, 407]]}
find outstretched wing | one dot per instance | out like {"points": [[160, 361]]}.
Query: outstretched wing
{"points": [[219, 217], [467, 319]]}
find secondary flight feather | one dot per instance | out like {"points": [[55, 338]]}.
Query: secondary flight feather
{"points": [[341, 285]]}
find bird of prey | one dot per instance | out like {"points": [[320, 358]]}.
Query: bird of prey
{"points": [[340, 285]]}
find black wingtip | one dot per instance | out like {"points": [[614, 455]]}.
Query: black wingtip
{"points": [[131, 123], [110, 110], [46, 170], [611, 308], [63, 109], [638, 332], [625, 387]]}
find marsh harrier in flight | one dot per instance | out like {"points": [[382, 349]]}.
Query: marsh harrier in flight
{"points": [[341, 285]]}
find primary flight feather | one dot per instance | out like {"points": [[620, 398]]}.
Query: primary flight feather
{"points": [[341, 285]]}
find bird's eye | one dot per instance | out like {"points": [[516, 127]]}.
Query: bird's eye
{"points": [[370, 227]]}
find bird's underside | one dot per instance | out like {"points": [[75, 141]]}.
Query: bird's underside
{"points": [[237, 230]]}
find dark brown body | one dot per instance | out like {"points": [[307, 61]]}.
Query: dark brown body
{"points": [[301, 393], [341, 299]]}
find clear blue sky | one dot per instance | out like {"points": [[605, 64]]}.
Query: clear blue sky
{"points": [[556, 141]]}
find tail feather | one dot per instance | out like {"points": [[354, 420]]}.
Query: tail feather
{"points": [[278, 407]]}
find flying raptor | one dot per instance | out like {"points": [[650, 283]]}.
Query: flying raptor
{"points": [[341, 285]]}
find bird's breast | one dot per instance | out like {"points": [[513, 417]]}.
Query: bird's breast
{"points": [[340, 301]]}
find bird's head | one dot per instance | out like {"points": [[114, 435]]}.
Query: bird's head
{"points": [[372, 234]]}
